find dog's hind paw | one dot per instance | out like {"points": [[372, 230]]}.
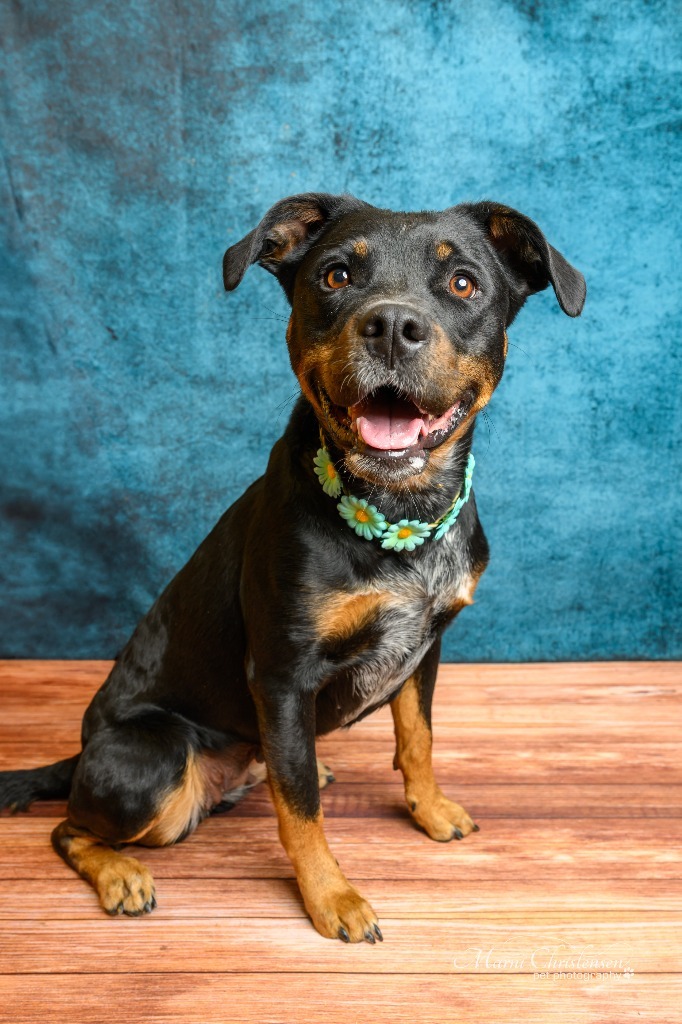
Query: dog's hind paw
{"points": [[325, 776], [442, 819], [125, 886]]}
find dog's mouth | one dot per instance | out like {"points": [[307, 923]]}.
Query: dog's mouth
{"points": [[386, 423]]}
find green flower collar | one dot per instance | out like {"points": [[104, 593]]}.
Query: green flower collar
{"points": [[370, 524]]}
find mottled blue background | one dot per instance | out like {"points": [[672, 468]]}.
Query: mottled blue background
{"points": [[137, 400]]}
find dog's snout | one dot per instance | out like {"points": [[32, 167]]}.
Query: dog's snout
{"points": [[394, 332]]}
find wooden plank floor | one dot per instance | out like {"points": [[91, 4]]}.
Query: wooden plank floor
{"points": [[573, 773]]}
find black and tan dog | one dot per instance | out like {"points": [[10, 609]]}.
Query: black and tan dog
{"points": [[292, 619]]}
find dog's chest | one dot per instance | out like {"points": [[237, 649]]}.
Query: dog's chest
{"points": [[383, 632]]}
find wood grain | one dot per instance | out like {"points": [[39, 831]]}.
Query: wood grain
{"points": [[574, 774], [129, 946], [384, 799], [381, 848], [253, 998]]}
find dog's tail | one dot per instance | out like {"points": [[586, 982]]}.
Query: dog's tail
{"points": [[20, 788]]}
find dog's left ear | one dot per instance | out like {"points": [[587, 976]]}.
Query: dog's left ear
{"points": [[284, 235], [533, 261]]}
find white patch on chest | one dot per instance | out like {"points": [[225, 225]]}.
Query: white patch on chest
{"points": [[406, 634], [375, 682], [405, 638]]}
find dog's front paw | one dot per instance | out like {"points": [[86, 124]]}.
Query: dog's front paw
{"points": [[442, 819], [342, 913]]}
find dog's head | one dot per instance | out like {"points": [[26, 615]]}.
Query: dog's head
{"points": [[398, 326]]}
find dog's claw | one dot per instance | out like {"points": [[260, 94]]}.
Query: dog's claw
{"points": [[475, 828], [458, 834], [370, 938], [343, 934], [377, 932]]}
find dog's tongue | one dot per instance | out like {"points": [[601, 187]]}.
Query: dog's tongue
{"points": [[388, 423]]}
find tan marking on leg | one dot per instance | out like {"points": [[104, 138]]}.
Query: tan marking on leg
{"points": [[123, 884], [443, 250], [182, 809], [342, 614], [428, 805], [207, 777], [334, 905]]}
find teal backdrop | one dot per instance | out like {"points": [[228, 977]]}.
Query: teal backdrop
{"points": [[137, 400]]}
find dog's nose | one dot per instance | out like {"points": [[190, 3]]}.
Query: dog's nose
{"points": [[394, 332]]}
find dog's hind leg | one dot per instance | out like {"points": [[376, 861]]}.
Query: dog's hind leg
{"points": [[141, 781], [123, 884]]}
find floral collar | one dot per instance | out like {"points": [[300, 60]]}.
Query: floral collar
{"points": [[370, 524]]}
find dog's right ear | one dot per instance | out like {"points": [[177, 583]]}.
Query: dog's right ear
{"points": [[284, 235]]}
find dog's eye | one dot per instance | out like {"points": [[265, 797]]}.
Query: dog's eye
{"points": [[462, 286], [338, 277]]}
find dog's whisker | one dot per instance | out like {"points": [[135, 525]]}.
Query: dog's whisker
{"points": [[277, 314], [512, 344], [490, 423]]}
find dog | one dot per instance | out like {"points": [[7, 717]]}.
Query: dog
{"points": [[323, 591]]}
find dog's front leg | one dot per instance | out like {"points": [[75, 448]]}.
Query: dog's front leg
{"points": [[287, 729], [442, 819]]}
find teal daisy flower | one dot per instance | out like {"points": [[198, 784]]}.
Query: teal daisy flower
{"points": [[362, 517], [368, 522], [327, 473], [405, 535]]}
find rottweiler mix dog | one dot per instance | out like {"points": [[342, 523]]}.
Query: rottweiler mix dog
{"points": [[322, 593]]}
